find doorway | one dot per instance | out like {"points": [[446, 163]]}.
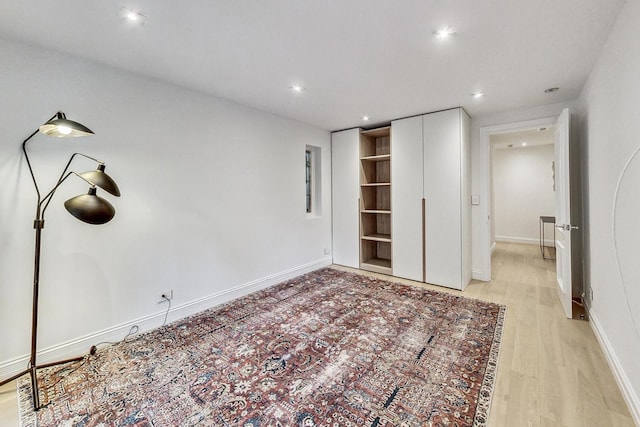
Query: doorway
{"points": [[568, 205], [486, 232], [522, 187]]}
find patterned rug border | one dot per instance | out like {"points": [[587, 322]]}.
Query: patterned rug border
{"points": [[26, 415], [28, 418], [488, 383]]}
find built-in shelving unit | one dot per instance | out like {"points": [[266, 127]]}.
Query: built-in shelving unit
{"points": [[421, 228], [375, 200]]}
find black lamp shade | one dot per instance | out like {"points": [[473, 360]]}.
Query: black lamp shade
{"points": [[102, 180], [62, 127], [90, 208]]}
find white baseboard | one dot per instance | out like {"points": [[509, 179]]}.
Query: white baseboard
{"points": [[618, 372], [480, 275], [81, 345], [524, 240]]}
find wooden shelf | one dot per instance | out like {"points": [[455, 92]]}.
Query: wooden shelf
{"points": [[378, 158], [375, 198], [376, 184], [376, 211], [377, 237], [375, 142], [378, 132], [377, 265], [372, 172]]}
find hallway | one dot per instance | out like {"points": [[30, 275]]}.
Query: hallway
{"points": [[552, 371]]}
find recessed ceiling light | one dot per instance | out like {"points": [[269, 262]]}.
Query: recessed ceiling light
{"points": [[297, 88], [444, 33], [132, 16], [477, 94], [552, 90], [365, 118], [524, 144]]}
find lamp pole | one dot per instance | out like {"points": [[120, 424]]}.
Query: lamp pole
{"points": [[38, 224]]}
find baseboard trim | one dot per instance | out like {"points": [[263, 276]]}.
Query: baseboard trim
{"points": [[81, 345], [480, 275], [618, 372], [524, 240]]}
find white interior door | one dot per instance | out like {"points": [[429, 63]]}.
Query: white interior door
{"points": [[563, 212]]}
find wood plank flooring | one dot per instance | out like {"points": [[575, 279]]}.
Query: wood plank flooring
{"points": [[552, 372]]}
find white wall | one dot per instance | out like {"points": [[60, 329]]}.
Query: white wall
{"points": [[522, 192], [212, 206], [612, 134]]}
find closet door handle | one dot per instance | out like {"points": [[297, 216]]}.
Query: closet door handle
{"points": [[424, 240], [359, 233]]}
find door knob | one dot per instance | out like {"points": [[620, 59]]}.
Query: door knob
{"points": [[567, 227]]}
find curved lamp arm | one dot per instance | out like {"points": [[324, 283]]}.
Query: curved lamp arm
{"points": [[33, 177], [46, 199], [100, 162], [89, 208], [101, 179]]}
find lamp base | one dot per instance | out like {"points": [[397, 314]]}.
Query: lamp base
{"points": [[33, 371]]}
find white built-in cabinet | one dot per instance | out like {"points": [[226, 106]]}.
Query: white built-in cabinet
{"points": [[430, 200], [345, 178]]}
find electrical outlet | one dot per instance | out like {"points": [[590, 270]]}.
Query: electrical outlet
{"points": [[166, 296], [327, 251], [590, 294]]}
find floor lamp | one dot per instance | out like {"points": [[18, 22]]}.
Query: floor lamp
{"points": [[89, 208]]}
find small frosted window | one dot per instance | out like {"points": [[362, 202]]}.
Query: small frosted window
{"points": [[308, 168], [312, 180]]}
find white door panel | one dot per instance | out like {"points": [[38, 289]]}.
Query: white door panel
{"points": [[563, 212], [406, 198], [442, 162], [345, 178]]}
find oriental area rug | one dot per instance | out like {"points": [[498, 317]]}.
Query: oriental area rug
{"points": [[329, 348]]}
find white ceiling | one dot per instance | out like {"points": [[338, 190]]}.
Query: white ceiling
{"points": [[354, 57], [531, 138]]}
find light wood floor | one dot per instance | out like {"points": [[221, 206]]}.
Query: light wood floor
{"points": [[551, 372]]}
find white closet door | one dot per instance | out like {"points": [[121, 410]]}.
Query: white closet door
{"points": [[345, 179], [442, 198], [406, 198]]}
